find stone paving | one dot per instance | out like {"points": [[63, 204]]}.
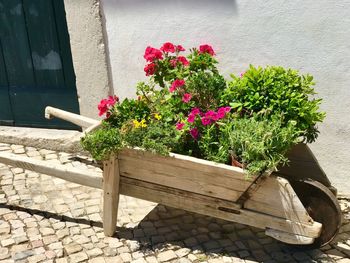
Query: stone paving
{"points": [[45, 219]]}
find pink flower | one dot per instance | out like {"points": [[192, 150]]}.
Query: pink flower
{"points": [[221, 113], [176, 84], [195, 111], [152, 54], [173, 62], [210, 114], [186, 97], [194, 133], [183, 60], [179, 48], [206, 121], [106, 104], [150, 69], [206, 49], [227, 109], [168, 47], [242, 74], [191, 118], [179, 125]]}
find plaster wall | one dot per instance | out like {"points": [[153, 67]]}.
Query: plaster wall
{"points": [[88, 52], [311, 36]]}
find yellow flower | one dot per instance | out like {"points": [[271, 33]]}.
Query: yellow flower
{"points": [[136, 123], [143, 123], [157, 116]]}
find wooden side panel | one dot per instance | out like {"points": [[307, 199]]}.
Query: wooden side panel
{"points": [[214, 207], [275, 196], [185, 173]]}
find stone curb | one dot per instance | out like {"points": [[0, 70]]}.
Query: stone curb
{"points": [[50, 139]]}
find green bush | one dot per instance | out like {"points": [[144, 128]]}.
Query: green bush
{"points": [[275, 90]]}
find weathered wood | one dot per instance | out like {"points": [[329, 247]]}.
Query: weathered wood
{"points": [[77, 119], [214, 207], [87, 178], [289, 238], [110, 195], [185, 173], [275, 196]]}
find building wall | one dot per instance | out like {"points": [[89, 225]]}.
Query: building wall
{"points": [[311, 36], [89, 54]]}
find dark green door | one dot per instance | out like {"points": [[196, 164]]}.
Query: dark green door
{"points": [[36, 68]]}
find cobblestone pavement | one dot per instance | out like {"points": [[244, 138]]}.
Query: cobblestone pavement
{"points": [[45, 219]]}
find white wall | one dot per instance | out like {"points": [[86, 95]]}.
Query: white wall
{"points": [[88, 53], [312, 36]]}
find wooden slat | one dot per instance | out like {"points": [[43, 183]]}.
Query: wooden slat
{"points": [[74, 175], [110, 195], [214, 207], [185, 173], [275, 196], [289, 238]]}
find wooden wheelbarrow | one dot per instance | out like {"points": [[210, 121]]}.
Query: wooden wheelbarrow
{"points": [[297, 205]]}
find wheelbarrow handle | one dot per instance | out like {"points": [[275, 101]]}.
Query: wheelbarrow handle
{"points": [[77, 119]]}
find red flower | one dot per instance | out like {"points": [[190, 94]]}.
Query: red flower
{"points": [[152, 54], [206, 49], [179, 48], [183, 60], [194, 133], [168, 47], [150, 69], [106, 104], [179, 125], [186, 97], [176, 83]]}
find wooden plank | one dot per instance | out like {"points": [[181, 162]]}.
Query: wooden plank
{"points": [[78, 176], [43, 41], [289, 238], [110, 195], [275, 196], [214, 207], [186, 179]]}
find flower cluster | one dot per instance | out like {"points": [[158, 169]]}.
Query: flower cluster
{"points": [[106, 104]]}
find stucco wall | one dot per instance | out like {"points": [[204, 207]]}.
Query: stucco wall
{"points": [[88, 52], [312, 36]]}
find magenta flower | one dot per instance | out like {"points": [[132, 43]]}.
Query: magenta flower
{"points": [[194, 133], [242, 74], [195, 111], [179, 125], [191, 118], [206, 121], [227, 109], [176, 83], [186, 97]]}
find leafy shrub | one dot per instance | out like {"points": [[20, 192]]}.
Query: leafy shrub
{"points": [[274, 90]]}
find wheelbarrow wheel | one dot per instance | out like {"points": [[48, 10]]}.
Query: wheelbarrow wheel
{"points": [[322, 206]]}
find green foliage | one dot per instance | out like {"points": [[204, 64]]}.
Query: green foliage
{"points": [[275, 90], [102, 142], [258, 142]]}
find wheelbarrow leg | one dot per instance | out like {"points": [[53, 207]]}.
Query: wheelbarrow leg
{"points": [[110, 195]]}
